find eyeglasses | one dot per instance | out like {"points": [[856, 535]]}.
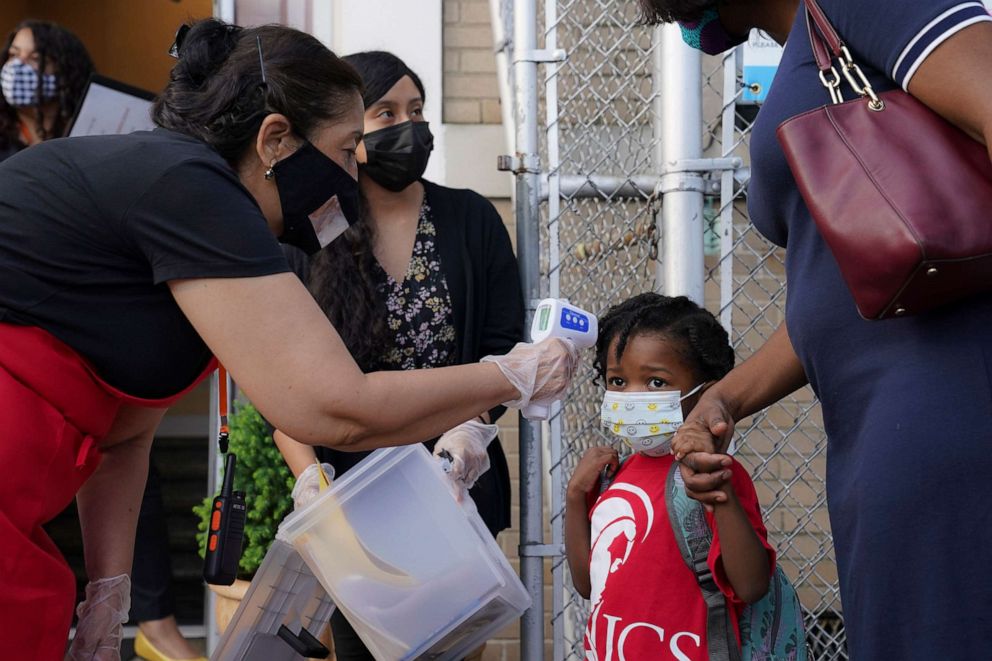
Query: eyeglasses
{"points": [[177, 44]]}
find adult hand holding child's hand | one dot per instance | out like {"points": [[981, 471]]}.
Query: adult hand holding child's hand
{"points": [[698, 445]]}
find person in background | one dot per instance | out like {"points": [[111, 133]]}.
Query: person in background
{"points": [[907, 403], [427, 278], [44, 69]]}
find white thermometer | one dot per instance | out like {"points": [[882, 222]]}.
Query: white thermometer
{"points": [[556, 317]]}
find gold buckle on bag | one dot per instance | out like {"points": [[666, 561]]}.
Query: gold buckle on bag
{"points": [[858, 81], [833, 86]]}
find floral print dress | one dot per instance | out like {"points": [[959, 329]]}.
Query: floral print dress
{"points": [[419, 308]]}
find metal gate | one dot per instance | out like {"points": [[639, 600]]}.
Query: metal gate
{"points": [[632, 167]]}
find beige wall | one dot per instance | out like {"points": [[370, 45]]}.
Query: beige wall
{"points": [[471, 90]]}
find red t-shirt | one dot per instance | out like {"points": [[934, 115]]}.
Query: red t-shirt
{"points": [[645, 602]]}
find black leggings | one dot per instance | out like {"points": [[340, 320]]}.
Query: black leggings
{"points": [[151, 575]]}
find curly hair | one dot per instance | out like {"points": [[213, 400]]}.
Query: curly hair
{"points": [[700, 338], [343, 283], [342, 277], [73, 67], [654, 12]]}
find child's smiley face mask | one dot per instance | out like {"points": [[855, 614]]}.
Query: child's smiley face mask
{"points": [[645, 421]]}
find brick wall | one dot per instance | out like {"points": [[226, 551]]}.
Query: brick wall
{"points": [[471, 90]]}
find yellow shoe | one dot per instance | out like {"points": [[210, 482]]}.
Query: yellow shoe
{"points": [[145, 650]]}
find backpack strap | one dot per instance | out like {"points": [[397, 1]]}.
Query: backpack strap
{"points": [[694, 538]]}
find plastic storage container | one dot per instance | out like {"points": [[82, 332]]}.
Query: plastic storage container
{"points": [[283, 612], [417, 575]]}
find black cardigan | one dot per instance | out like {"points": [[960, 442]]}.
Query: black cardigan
{"points": [[487, 305]]}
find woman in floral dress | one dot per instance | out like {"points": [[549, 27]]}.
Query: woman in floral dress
{"points": [[427, 279]]}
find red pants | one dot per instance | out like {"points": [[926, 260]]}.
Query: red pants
{"points": [[53, 412]]}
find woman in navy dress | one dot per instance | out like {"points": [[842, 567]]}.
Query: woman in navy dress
{"points": [[907, 403]]}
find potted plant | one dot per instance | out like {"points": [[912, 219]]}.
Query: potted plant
{"points": [[267, 484]]}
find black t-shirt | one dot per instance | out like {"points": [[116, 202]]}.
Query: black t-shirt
{"points": [[92, 229]]}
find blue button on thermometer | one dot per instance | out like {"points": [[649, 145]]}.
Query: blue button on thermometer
{"points": [[556, 317]]}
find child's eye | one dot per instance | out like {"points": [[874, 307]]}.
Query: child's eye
{"points": [[615, 381], [656, 382]]}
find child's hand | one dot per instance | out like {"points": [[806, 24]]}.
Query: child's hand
{"points": [[694, 440], [693, 436], [585, 479]]}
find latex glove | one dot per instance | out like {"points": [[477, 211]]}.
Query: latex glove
{"points": [[540, 372], [101, 620], [467, 445], [307, 486]]}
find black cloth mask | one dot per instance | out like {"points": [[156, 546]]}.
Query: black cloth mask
{"points": [[398, 154], [319, 198]]}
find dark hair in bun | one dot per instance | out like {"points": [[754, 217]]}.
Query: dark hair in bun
{"points": [[216, 92]]}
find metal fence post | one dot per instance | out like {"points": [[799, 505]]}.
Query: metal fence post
{"points": [[527, 208], [678, 137]]}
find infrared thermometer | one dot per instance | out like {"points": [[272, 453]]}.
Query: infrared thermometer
{"points": [[557, 317]]}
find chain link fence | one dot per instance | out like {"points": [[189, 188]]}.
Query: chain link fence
{"points": [[600, 245]]}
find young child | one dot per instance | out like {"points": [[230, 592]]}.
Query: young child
{"points": [[656, 354]]}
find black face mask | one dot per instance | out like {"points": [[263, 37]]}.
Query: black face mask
{"points": [[319, 198], [397, 155]]}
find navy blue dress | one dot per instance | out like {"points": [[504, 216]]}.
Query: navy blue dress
{"points": [[907, 403]]}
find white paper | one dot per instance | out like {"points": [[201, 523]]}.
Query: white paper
{"points": [[107, 111]]}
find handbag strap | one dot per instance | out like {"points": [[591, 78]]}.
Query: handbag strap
{"points": [[824, 37], [828, 46]]}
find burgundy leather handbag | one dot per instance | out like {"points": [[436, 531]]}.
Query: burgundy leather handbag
{"points": [[902, 197]]}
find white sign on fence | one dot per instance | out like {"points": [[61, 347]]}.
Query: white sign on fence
{"points": [[761, 58]]}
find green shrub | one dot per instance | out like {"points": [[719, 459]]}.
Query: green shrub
{"points": [[264, 477]]}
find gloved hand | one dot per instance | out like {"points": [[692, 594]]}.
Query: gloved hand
{"points": [[307, 486], [101, 620], [540, 372], [467, 445]]}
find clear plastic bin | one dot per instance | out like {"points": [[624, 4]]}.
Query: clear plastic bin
{"points": [[417, 575], [281, 615]]}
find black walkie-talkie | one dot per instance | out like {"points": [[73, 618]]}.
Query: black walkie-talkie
{"points": [[225, 536]]}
